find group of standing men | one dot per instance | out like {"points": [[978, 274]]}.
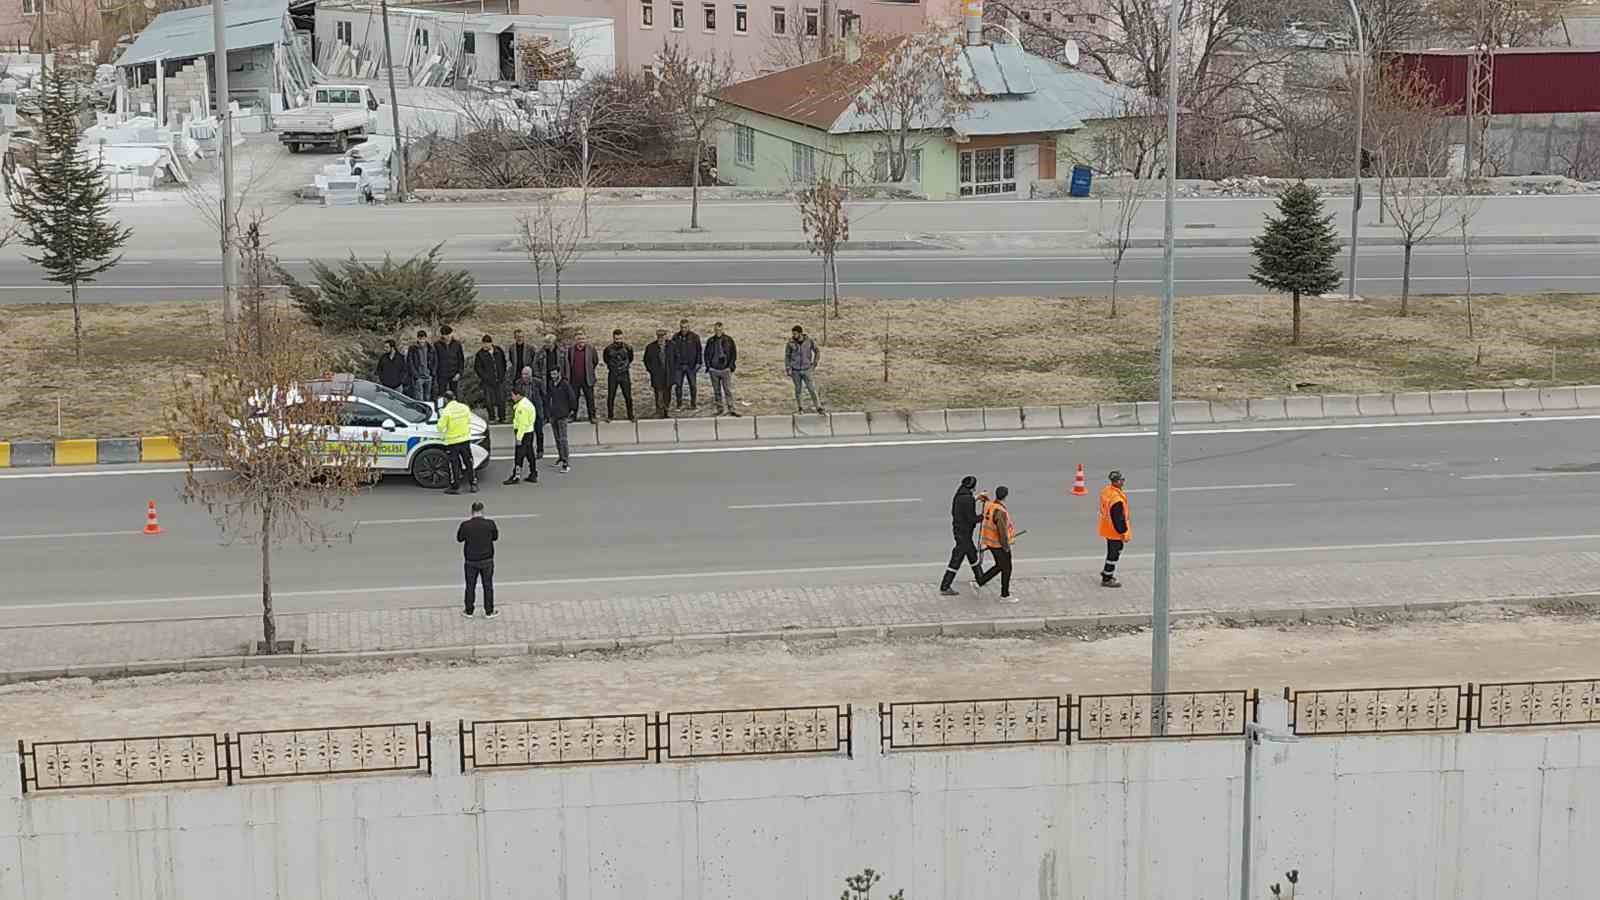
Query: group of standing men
{"points": [[997, 533]]}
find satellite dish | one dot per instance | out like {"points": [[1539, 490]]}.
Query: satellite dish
{"points": [[1069, 52]]}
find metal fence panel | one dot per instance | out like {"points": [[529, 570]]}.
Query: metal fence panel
{"points": [[347, 749], [1531, 704], [1181, 714], [973, 723], [756, 732], [561, 741], [1389, 710], [122, 762]]}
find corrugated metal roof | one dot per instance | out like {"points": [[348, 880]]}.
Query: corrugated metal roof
{"points": [[1013, 68], [184, 33], [985, 71]]}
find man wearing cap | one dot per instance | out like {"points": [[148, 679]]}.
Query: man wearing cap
{"points": [[1115, 526], [963, 519], [998, 533]]}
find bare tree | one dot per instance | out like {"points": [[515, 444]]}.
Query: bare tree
{"points": [[826, 222], [907, 90], [551, 236], [688, 88], [1116, 232], [1499, 23], [1411, 134], [1466, 207], [1391, 25], [263, 453]]}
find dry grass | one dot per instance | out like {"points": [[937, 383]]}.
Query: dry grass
{"points": [[943, 353]]}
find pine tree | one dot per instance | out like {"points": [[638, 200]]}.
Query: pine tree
{"points": [[1295, 254], [62, 209]]}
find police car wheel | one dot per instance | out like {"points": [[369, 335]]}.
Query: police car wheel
{"points": [[431, 469]]}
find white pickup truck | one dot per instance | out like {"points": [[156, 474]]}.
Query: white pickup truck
{"points": [[337, 115]]}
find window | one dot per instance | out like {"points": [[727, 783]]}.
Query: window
{"points": [[880, 167], [846, 20], [780, 21], [647, 14], [1027, 16], [805, 164], [677, 15], [991, 171], [343, 31], [35, 7], [1071, 18], [469, 43], [741, 18], [355, 414], [422, 38], [1048, 16], [711, 16], [812, 20], [744, 142], [1093, 18]]}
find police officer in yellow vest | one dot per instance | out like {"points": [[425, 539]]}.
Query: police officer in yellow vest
{"points": [[455, 426], [1116, 526], [524, 421], [996, 535]]}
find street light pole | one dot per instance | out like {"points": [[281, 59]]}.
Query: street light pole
{"points": [[1163, 575], [1361, 110], [1253, 735], [397, 162], [230, 250]]}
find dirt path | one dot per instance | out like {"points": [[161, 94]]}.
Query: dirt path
{"points": [[1488, 645]]}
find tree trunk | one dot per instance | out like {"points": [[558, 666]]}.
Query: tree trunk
{"points": [[824, 302], [77, 326], [269, 625], [1116, 276], [1405, 281], [694, 194], [1295, 333], [1466, 261], [833, 274]]}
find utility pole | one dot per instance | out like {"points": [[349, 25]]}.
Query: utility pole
{"points": [[230, 250], [1361, 114], [397, 162], [1163, 575]]}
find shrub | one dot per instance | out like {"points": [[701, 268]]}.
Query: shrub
{"points": [[384, 298]]}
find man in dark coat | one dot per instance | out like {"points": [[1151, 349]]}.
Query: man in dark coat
{"points": [[420, 360], [685, 357], [963, 518], [561, 404], [659, 365], [582, 362], [489, 364], [450, 361], [520, 355], [618, 357], [393, 373]]}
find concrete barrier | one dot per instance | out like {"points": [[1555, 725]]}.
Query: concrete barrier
{"points": [[619, 432], [848, 424], [1413, 403], [1230, 410], [5, 454], [813, 425], [1267, 408], [736, 428], [76, 452], [1588, 396], [117, 450], [1373, 404], [1486, 400], [774, 427], [1447, 402], [1558, 398], [888, 421], [579, 434], [1036, 417], [927, 421], [1303, 406], [1522, 400], [694, 431], [1002, 418], [963, 420], [158, 448], [1080, 416], [33, 453], [1118, 415], [658, 431], [1191, 412]]}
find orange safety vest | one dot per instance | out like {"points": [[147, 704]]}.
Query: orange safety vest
{"points": [[1110, 496], [989, 535]]}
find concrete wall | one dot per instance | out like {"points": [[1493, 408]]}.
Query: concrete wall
{"points": [[1442, 817]]}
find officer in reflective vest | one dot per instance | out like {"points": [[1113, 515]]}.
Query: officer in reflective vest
{"points": [[996, 535], [1115, 526], [455, 426], [524, 419]]}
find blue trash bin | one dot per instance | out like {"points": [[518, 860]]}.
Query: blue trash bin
{"points": [[1082, 177]]}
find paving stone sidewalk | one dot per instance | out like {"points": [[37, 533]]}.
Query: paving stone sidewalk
{"points": [[1237, 591]]}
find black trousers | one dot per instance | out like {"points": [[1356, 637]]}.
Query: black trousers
{"points": [[1113, 553], [474, 571], [538, 427], [1002, 567], [494, 400], [461, 464], [585, 392], [685, 374], [625, 385], [663, 394], [526, 453], [964, 550]]}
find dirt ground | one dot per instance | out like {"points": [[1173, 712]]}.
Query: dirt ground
{"points": [[942, 353], [1485, 644]]}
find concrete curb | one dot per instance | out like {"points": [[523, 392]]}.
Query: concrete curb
{"points": [[733, 246], [961, 628], [1481, 240], [708, 429]]}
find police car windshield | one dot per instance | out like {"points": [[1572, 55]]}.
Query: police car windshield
{"points": [[414, 411]]}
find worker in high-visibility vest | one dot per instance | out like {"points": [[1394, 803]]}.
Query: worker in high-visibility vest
{"points": [[524, 422], [996, 535], [455, 427], [1116, 526]]}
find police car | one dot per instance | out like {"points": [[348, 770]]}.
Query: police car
{"points": [[406, 430]]}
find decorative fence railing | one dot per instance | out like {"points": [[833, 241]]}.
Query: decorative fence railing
{"points": [[1536, 704], [573, 740], [1175, 714], [1063, 719], [1451, 707], [299, 753], [122, 762]]}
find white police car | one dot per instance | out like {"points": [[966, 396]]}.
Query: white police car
{"points": [[407, 430]]}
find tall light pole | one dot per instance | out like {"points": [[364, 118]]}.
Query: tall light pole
{"points": [[1361, 115], [397, 162], [1163, 575], [230, 250]]}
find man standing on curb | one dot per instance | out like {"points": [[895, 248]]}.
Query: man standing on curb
{"points": [[800, 359], [684, 352], [455, 426], [997, 534], [489, 364], [658, 363], [476, 537], [722, 357], [524, 424], [618, 357], [582, 362], [963, 518], [421, 360], [450, 360], [1115, 526]]}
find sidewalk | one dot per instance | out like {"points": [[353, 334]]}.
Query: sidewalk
{"points": [[532, 624]]}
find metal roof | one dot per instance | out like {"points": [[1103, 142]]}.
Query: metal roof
{"points": [[184, 33]]}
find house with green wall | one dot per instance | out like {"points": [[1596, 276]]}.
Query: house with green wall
{"points": [[1024, 121]]}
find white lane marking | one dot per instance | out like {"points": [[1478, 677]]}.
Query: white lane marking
{"points": [[1218, 487], [983, 439], [1528, 475], [66, 535], [453, 587], [97, 473], [825, 503], [439, 519]]}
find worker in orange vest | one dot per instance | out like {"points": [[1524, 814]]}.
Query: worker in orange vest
{"points": [[996, 535], [1115, 526]]}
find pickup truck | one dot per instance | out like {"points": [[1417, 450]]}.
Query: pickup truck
{"points": [[337, 114]]}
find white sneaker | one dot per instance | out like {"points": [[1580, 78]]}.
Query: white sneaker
{"points": [[1009, 599]]}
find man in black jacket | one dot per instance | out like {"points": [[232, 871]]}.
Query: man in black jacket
{"points": [[684, 352], [658, 362], [420, 359], [450, 361], [721, 357], [476, 537], [561, 404], [489, 364], [618, 356], [393, 373], [521, 355], [963, 518]]}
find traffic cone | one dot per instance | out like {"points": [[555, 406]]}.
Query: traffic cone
{"points": [[1079, 488], [151, 526]]}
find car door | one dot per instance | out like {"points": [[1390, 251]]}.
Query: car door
{"points": [[362, 423]]}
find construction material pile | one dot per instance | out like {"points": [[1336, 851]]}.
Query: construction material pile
{"points": [[542, 60]]}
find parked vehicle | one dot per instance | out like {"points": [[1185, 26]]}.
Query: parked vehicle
{"points": [[337, 115], [1318, 35]]}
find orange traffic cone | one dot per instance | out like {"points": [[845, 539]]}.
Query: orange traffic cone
{"points": [[1079, 488], [151, 526]]}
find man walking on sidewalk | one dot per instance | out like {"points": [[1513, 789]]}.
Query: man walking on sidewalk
{"points": [[800, 358], [722, 357], [524, 425], [618, 357], [996, 536], [658, 363], [1115, 526], [963, 518], [476, 537]]}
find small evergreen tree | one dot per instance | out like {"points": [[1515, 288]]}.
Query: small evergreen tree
{"points": [[1295, 254], [63, 209], [383, 298]]}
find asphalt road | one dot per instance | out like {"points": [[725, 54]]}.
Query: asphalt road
{"points": [[669, 276], [684, 520]]}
